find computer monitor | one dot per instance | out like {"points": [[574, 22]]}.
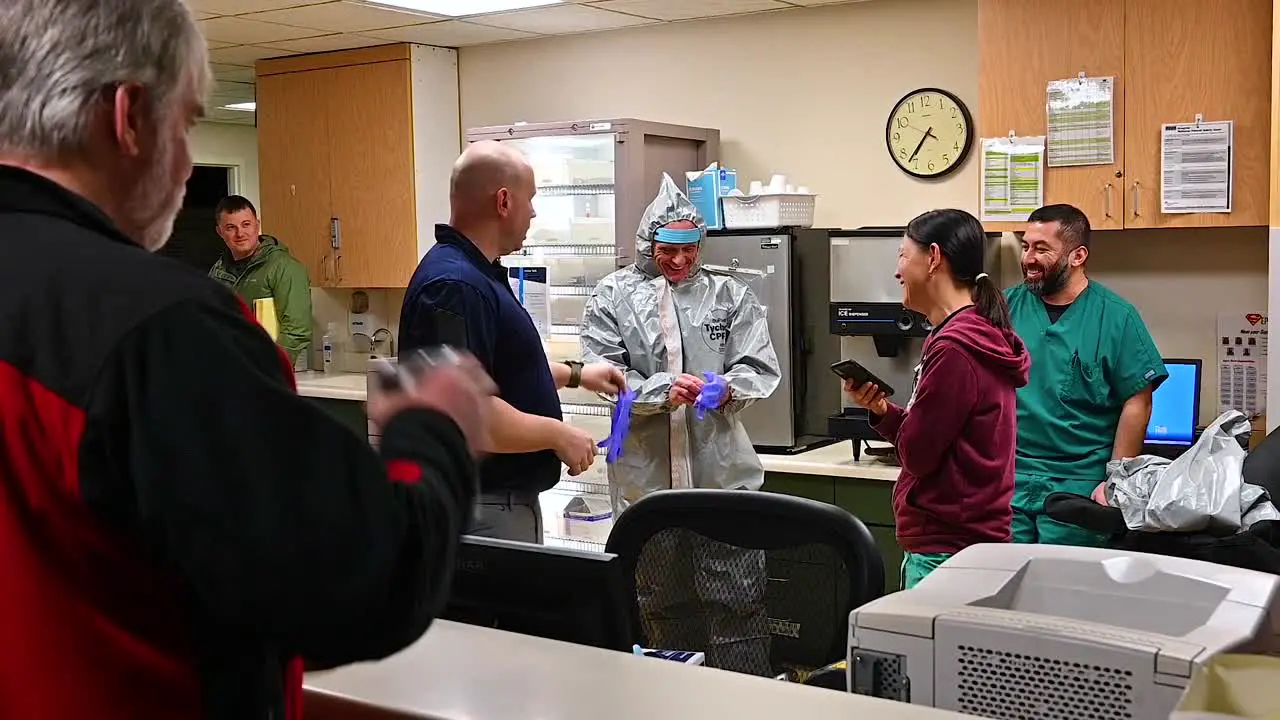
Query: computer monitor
{"points": [[1175, 405], [551, 592]]}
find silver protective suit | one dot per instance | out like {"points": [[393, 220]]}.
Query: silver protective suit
{"points": [[655, 331], [692, 592]]}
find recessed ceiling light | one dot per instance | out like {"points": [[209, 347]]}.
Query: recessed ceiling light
{"points": [[455, 8], [243, 107]]}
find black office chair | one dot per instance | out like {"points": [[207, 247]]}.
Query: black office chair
{"points": [[761, 583], [1255, 548]]}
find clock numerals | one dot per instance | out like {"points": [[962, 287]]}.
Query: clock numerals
{"points": [[918, 133]]}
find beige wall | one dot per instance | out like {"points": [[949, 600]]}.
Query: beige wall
{"points": [[807, 92], [231, 145]]}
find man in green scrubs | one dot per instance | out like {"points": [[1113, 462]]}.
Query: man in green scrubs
{"points": [[1093, 369]]}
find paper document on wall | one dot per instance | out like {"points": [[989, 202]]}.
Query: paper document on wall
{"points": [[1012, 178], [1195, 167], [1242, 363], [1081, 123], [531, 288]]}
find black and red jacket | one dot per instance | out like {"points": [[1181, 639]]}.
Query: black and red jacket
{"points": [[176, 525]]}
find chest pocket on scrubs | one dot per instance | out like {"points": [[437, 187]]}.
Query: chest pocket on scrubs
{"points": [[1083, 383]]}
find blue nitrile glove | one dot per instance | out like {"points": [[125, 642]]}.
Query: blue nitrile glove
{"points": [[712, 396], [618, 426]]}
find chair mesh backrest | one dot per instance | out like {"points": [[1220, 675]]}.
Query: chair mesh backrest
{"points": [[762, 586]]}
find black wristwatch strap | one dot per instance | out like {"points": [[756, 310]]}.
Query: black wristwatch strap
{"points": [[575, 373]]}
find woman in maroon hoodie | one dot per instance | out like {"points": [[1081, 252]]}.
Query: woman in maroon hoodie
{"points": [[955, 436]]}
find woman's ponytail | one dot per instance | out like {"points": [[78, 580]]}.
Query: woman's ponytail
{"points": [[989, 302]]}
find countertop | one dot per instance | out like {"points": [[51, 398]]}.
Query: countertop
{"points": [[333, 386], [833, 460], [461, 672]]}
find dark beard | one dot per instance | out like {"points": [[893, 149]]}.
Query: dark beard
{"points": [[1053, 280]]}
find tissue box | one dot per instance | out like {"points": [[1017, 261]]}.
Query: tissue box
{"points": [[706, 187]]}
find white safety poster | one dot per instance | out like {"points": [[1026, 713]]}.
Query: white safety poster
{"points": [[1012, 178], [1242, 363], [1195, 167], [1081, 122], [531, 288]]}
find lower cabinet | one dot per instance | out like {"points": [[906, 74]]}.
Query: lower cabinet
{"points": [[868, 500]]}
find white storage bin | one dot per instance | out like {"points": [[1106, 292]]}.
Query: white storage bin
{"points": [[768, 211]]}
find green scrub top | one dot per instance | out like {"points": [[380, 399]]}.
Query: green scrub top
{"points": [[1083, 369]]}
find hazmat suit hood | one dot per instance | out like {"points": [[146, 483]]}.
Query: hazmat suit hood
{"points": [[668, 206]]}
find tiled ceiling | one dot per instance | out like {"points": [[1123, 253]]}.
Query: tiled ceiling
{"points": [[241, 32]]}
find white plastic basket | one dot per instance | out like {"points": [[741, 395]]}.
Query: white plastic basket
{"points": [[768, 211]]}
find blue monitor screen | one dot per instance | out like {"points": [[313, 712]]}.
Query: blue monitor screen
{"points": [[1173, 406]]}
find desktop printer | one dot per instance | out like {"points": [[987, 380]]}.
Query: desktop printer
{"points": [[1058, 633]]}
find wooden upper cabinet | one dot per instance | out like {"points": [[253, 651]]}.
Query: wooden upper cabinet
{"points": [[1025, 44], [1171, 60], [336, 139], [1189, 57], [293, 169], [371, 121]]}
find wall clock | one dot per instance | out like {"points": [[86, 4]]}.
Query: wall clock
{"points": [[929, 133]]}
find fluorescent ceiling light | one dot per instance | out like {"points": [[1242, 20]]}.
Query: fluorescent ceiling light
{"points": [[455, 8], [243, 107]]}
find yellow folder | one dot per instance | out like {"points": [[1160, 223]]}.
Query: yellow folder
{"points": [[265, 309]]}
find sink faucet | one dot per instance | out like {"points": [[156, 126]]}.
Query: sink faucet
{"points": [[381, 334]]}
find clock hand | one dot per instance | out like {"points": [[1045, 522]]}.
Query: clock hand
{"points": [[919, 145], [929, 133]]}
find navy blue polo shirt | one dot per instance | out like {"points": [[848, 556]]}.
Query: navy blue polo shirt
{"points": [[458, 297]]}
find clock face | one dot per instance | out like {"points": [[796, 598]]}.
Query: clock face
{"points": [[929, 133]]}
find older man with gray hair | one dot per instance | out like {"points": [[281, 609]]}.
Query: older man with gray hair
{"points": [[177, 527]]}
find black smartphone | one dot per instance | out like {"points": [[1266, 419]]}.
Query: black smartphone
{"points": [[852, 370]]}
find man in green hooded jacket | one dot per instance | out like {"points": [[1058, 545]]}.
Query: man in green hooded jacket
{"points": [[258, 266]]}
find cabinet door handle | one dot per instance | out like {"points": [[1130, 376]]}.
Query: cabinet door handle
{"points": [[1106, 199], [324, 267], [1137, 198], [337, 266]]}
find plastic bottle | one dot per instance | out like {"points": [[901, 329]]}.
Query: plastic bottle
{"points": [[326, 347]]}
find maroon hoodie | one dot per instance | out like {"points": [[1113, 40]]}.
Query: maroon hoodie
{"points": [[956, 437]]}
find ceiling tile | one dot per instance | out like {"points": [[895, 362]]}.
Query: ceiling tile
{"points": [[229, 87], [557, 19], [341, 17], [245, 55], [233, 73], [328, 43], [239, 31], [451, 33], [686, 10], [237, 7], [239, 117]]}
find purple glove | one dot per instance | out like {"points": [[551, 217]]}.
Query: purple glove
{"points": [[712, 396], [619, 426]]}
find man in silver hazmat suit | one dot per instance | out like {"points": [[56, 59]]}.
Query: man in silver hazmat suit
{"points": [[668, 323]]}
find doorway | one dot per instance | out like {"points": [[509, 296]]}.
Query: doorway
{"points": [[194, 241]]}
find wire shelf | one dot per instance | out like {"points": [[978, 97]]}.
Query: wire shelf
{"points": [[589, 410], [565, 250], [573, 543], [576, 189]]}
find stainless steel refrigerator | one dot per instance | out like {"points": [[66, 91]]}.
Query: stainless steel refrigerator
{"points": [[789, 271]]}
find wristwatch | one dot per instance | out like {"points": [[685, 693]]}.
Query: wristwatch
{"points": [[575, 373]]}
